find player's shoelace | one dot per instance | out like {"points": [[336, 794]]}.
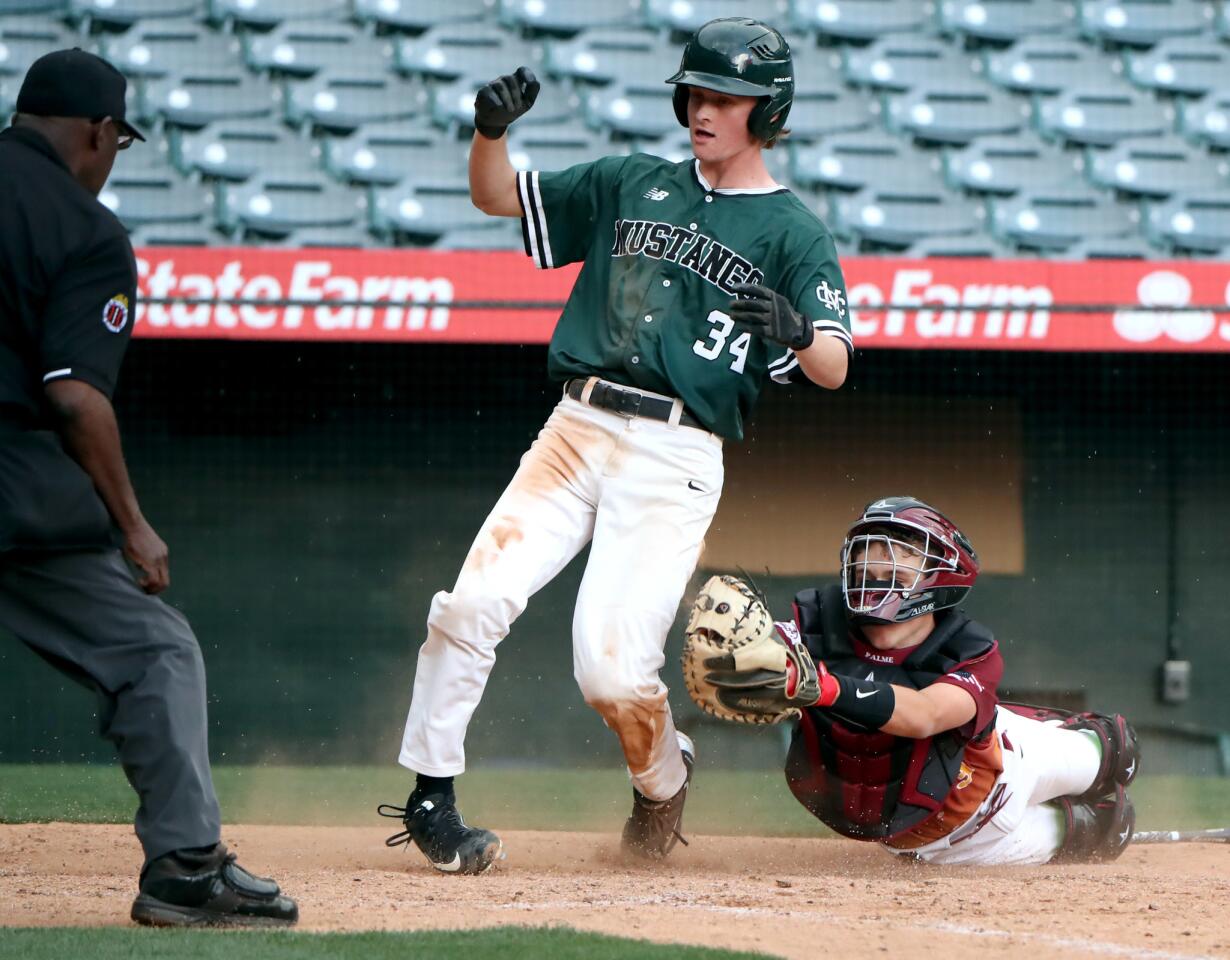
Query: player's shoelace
{"points": [[443, 826]]}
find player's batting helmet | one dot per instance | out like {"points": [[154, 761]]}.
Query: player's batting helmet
{"points": [[933, 563], [744, 58]]}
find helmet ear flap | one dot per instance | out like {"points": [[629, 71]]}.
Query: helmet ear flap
{"points": [[680, 101]]}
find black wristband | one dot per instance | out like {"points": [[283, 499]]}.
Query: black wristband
{"points": [[868, 703]]}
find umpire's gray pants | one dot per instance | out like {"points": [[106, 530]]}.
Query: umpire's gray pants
{"points": [[84, 613]]}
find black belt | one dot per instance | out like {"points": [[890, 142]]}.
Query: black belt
{"points": [[629, 403]]}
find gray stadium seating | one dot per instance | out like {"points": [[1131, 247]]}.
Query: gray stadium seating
{"points": [[344, 102], [1109, 248], [688, 15], [505, 234], [277, 204], [24, 39], [150, 159], [124, 13], [454, 51], [1057, 217], [263, 14], [239, 149], [1157, 167], [898, 218], [1207, 120], [1191, 222], [860, 20], [21, 7], [9, 85], [156, 48], [198, 98], [635, 111], [385, 153], [608, 55], [674, 147], [139, 199], [1004, 165], [568, 16], [856, 160], [1047, 65], [1005, 20], [174, 235], [822, 113], [418, 15], [301, 48], [970, 245], [1143, 22], [941, 115], [426, 213], [1101, 117], [1182, 65], [452, 104], [554, 148], [354, 237], [902, 61]]}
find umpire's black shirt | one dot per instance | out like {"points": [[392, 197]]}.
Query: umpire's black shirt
{"points": [[67, 303]]}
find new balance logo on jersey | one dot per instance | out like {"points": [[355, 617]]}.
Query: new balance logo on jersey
{"points": [[656, 193], [832, 299]]}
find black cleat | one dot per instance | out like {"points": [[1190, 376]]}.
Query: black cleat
{"points": [[654, 827], [208, 888], [448, 843]]}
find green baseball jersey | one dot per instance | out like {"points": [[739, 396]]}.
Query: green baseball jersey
{"points": [[661, 250]]}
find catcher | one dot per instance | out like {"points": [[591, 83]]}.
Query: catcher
{"points": [[899, 734]]}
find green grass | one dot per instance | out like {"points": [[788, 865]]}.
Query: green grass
{"points": [[722, 801], [506, 943]]}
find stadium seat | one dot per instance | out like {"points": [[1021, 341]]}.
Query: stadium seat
{"points": [[173, 235], [898, 218], [418, 15], [239, 149], [1109, 248], [687, 16], [1057, 217], [975, 245], [1222, 23], [1191, 222], [1101, 117], [461, 50], [1004, 165], [343, 101], [385, 153], [1157, 167], [354, 237], [276, 204], [200, 97], [1003, 21], [426, 213], [24, 39], [861, 20], [857, 160], [22, 7], [940, 115], [452, 104], [675, 146], [264, 14], [505, 235], [567, 16], [9, 85], [607, 55], [156, 48], [1143, 22], [117, 14], [139, 199], [902, 61], [1207, 120], [1182, 65], [301, 48], [1047, 65], [821, 113], [554, 148], [635, 111], [152, 158]]}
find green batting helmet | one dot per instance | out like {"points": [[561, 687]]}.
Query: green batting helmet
{"points": [[744, 58]]}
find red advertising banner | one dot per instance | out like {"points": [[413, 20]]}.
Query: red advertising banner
{"points": [[940, 303]]}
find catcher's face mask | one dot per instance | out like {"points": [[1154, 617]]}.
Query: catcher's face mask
{"points": [[887, 570]]}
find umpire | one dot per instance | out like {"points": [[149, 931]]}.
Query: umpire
{"points": [[67, 508]]}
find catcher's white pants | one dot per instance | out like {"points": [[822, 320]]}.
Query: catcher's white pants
{"points": [[1015, 824], [644, 492]]}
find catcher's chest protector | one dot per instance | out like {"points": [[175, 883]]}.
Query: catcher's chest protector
{"points": [[866, 784]]}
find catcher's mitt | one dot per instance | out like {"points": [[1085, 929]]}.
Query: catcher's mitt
{"points": [[735, 663]]}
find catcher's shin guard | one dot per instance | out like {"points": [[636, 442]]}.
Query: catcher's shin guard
{"points": [[1095, 831], [1120, 751]]}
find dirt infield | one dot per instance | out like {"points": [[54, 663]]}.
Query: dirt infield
{"points": [[793, 898]]}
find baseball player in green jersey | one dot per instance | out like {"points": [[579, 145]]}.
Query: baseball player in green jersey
{"points": [[699, 281]]}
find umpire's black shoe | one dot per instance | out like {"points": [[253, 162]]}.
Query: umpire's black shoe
{"points": [[449, 844], [654, 827], [208, 888]]}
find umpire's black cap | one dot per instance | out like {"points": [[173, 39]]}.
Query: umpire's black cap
{"points": [[74, 83]]}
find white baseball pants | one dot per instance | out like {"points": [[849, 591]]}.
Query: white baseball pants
{"points": [[644, 492], [1015, 825]]}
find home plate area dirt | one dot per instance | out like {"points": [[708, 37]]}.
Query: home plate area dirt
{"points": [[790, 898]]}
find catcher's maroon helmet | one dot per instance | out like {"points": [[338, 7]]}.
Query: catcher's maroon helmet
{"points": [[931, 564]]}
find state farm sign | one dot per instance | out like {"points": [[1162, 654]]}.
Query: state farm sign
{"points": [[472, 297]]}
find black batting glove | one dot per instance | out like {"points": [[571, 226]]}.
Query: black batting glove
{"points": [[501, 101], [769, 314]]}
